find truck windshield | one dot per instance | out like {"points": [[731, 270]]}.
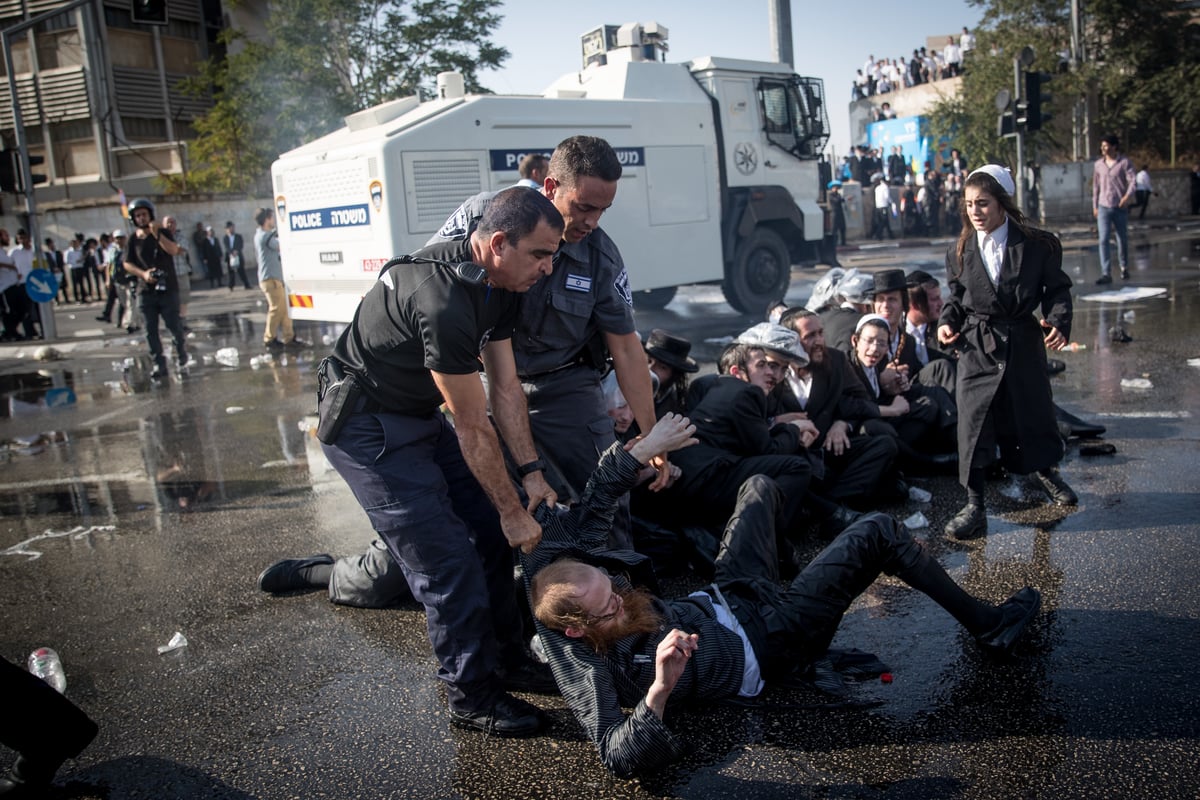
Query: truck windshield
{"points": [[794, 115]]}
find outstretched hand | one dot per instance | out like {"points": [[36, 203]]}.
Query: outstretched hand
{"points": [[672, 432]]}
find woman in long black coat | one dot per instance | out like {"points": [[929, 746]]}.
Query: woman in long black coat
{"points": [[1000, 271]]}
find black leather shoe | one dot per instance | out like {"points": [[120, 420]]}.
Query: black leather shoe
{"points": [[837, 522], [1017, 612], [508, 716], [26, 780], [297, 344], [946, 461], [969, 523], [1124, 274], [1058, 490], [1103, 279], [530, 676], [284, 576], [1055, 366]]}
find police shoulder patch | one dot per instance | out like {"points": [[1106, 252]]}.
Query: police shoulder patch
{"points": [[621, 284]]}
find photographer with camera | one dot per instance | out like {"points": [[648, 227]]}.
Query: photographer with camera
{"points": [[150, 256]]}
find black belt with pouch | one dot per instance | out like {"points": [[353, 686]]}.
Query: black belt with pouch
{"points": [[338, 392]]}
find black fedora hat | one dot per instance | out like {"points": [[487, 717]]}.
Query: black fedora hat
{"points": [[890, 280], [671, 350]]}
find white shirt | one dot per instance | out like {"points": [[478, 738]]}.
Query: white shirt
{"points": [[966, 42], [8, 277], [991, 247], [23, 259], [883, 196], [917, 333], [73, 257], [1141, 181], [801, 387]]}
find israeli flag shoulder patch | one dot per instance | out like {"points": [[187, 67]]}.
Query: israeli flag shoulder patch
{"points": [[579, 283]]}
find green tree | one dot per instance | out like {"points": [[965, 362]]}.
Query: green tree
{"points": [[1142, 60], [320, 60]]}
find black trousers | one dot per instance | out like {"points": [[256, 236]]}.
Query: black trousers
{"points": [[38, 722], [792, 626]]}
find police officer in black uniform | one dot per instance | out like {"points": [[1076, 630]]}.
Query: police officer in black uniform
{"points": [[416, 340], [571, 319]]}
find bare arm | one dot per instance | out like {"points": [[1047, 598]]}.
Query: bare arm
{"points": [[481, 449], [633, 376], [511, 414]]}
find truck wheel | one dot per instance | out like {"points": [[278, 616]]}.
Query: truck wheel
{"points": [[654, 299], [760, 273]]}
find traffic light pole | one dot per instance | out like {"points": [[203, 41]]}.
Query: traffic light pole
{"points": [[49, 328]]}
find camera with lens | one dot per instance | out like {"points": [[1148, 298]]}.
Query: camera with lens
{"points": [[160, 279]]}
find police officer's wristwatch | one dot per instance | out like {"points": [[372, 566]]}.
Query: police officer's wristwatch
{"points": [[537, 465]]}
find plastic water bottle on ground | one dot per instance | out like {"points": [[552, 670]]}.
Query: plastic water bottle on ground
{"points": [[919, 495], [227, 357], [45, 663], [916, 522], [178, 642]]}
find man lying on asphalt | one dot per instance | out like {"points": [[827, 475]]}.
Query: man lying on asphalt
{"points": [[612, 646]]}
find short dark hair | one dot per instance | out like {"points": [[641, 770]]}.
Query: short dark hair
{"points": [[584, 156], [736, 355], [1112, 140], [262, 215], [531, 162], [793, 314], [516, 212]]}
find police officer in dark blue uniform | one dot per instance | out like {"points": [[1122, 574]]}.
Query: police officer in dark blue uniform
{"points": [[570, 320], [417, 340]]}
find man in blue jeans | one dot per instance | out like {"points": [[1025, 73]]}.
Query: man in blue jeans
{"points": [[1113, 187]]}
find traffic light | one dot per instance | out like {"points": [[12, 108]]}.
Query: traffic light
{"points": [[1035, 98], [8, 170], [149, 12], [1005, 125], [34, 177]]}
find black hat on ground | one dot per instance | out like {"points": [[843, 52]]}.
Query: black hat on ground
{"points": [[671, 350], [890, 280]]}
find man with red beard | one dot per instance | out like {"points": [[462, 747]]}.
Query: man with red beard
{"points": [[613, 646]]}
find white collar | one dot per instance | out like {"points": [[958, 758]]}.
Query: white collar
{"points": [[999, 236]]}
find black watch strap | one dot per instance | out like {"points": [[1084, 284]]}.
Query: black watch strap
{"points": [[537, 465]]}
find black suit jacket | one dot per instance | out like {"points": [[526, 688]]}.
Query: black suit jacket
{"points": [[839, 327], [837, 393], [238, 244]]}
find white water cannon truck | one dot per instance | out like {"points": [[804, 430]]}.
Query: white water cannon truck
{"points": [[720, 180]]}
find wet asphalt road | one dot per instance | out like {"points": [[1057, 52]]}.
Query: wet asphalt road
{"points": [[130, 515]]}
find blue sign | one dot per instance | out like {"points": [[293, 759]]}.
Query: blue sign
{"points": [[57, 398], [909, 133], [339, 217], [41, 285], [509, 160]]}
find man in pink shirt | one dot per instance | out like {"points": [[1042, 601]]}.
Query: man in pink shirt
{"points": [[1112, 192]]}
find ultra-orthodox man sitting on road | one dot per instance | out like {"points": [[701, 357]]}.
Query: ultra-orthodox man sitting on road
{"points": [[613, 646]]}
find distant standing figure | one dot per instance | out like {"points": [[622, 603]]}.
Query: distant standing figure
{"points": [[270, 280], [235, 259], [1142, 190], [214, 262], [183, 271], [1112, 192], [533, 170], [1195, 181]]}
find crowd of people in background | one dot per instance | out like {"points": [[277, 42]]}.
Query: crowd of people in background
{"points": [[90, 269], [922, 204], [884, 75]]}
